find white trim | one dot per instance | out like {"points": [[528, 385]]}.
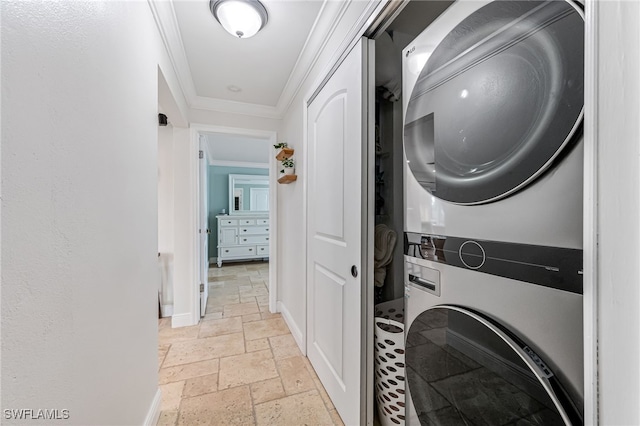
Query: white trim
{"points": [[297, 334], [153, 414], [194, 168], [183, 320], [167, 310], [197, 128], [225, 163], [590, 225]]}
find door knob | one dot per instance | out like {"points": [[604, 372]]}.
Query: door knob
{"points": [[354, 271]]}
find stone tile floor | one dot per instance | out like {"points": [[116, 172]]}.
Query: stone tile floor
{"points": [[240, 365]]}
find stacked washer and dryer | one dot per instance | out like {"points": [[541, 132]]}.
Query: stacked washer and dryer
{"points": [[493, 112]]}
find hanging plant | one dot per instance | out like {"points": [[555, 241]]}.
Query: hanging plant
{"points": [[280, 145], [288, 166]]}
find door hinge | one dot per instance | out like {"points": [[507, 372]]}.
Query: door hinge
{"points": [[201, 154], [201, 288]]}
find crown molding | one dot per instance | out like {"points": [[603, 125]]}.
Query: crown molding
{"points": [[247, 164], [328, 19], [235, 107], [165, 16]]}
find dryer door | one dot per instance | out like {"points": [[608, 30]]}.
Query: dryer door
{"points": [[461, 368], [497, 100]]}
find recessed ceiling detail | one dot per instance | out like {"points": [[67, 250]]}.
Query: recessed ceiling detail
{"points": [[261, 65], [270, 68]]}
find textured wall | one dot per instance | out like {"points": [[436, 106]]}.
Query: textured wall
{"points": [[79, 209]]}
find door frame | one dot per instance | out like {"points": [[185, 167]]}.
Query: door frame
{"points": [[198, 129]]}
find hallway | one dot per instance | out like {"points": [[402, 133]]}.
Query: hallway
{"points": [[240, 365]]}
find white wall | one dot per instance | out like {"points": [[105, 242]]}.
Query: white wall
{"points": [[79, 209], [224, 119], [185, 163], [617, 117], [165, 190]]}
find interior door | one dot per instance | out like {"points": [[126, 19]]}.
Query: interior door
{"points": [[336, 234], [204, 232]]}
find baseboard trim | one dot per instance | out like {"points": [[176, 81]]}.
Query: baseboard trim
{"points": [[166, 310], [154, 411], [295, 330], [182, 320]]}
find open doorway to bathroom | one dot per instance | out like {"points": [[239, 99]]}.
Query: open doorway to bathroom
{"points": [[239, 218]]}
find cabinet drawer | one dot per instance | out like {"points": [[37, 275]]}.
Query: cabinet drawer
{"points": [[263, 250], [238, 251], [254, 239], [254, 230], [247, 222], [228, 222], [262, 222]]}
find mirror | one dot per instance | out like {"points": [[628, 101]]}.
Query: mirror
{"points": [[248, 194]]}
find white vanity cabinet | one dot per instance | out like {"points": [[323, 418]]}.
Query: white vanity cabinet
{"points": [[242, 237]]}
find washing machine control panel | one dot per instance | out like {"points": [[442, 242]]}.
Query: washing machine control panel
{"points": [[555, 267]]}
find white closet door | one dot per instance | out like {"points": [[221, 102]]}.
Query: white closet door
{"points": [[337, 188]]}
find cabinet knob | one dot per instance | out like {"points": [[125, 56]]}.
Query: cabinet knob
{"points": [[244, 239], [226, 251], [267, 238], [244, 230], [267, 229], [250, 249]]}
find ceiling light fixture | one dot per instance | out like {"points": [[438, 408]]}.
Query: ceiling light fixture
{"points": [[240, 18]]}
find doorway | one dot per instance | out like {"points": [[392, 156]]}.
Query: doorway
{"points": [[241, 220]]}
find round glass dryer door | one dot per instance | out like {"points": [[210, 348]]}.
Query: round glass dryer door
{"points": [[462, 369], [497, 100]]}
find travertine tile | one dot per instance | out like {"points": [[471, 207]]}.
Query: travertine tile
{"points": [[220, 327], [239, 309], [284, 346], [164, 323], [217, 278], [223, 299], [323, 394], [269, 315], [267, 390], [238, 354], [180, 334], [301, 409], [294, 375], [200, 385], [247, 368], [335, 417], [249, 291], [247, 299], [206, 348], [225, 407], [265, 328], [162, 353], [252, 317], [188, 371], [257, 345], [212, 315], [264, 308], [171, 395], [168, 418]]}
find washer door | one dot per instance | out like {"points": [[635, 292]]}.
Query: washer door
{"points": [[463, 369], [497, 100]]}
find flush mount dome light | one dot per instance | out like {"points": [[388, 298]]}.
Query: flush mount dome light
{"points": [[241, 18]]}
